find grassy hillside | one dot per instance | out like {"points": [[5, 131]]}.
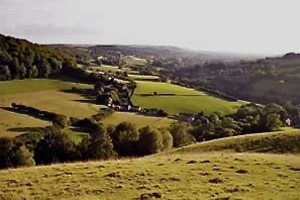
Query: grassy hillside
{"points": [[34, 85], [176, 99], [180, 175], [131, 60], [272, 142]]}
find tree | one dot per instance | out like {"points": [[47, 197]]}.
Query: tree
{"points": [[97, 146], [4, 73], [6, 144], [14, 154], [167, 138], [54, 147], [181, 135], [44, 68], [125, 137], [60, 121], [32, 72], [150, 141], [274, 108], [273, 122]]}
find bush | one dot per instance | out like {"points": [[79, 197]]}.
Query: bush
{"points": [[181, 135], [125, 137], [60, 121], [54, 147], [96, 146], [14, 154]]}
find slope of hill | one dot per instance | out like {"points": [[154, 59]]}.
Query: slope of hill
{"points": [[270, 142], [179, 175], [264, 80]]}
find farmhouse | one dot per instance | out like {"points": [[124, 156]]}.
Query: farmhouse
{"points": [[188, 117]]}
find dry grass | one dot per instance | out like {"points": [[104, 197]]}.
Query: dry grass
{"points": [[179, 176], [139, 120], [271, 142], [50, 100]]}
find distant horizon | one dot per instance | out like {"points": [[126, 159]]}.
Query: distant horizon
{"points": [[257, 27], [251, 54]]}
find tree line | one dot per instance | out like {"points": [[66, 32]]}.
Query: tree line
{"points": [[21, 59], [52, 145]]}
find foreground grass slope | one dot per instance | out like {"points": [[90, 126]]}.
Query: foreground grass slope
{"points": [[180, 175], [176, 99]]}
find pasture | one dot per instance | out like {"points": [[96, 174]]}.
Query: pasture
{"points": [[34, 85], [143, 77], [175, 99], [44, 94], [131, 60], [189, 176], [139, 120]]}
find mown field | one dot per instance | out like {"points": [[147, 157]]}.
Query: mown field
{"points": [[131, 60], [44, 94], [138, 120], [143, 77], [178, 175], [176, 99]]}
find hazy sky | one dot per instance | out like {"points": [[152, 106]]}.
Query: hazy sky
{"points": [[246, 26]]}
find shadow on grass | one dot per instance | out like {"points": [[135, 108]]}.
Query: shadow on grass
{"points": [[26, 129], [81, 92], [79, 129], [24, 113], [66, 79], [182, 95], [89, 101]]}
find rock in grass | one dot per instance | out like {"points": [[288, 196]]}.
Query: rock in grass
{"points": [[205, 161], [192, 162], [154, 195], [215, 180], [177, 160], [242, 171]]}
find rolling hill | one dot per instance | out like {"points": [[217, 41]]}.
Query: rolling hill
{"points": [[195, 172]]}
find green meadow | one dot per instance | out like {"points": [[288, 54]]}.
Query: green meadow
{"points": [[143, 77], [131, 60], [33, 85], [175, 99]]}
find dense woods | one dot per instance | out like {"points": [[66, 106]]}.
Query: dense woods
{"points": [[21, 59]]}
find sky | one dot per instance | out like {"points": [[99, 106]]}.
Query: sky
{"points": [[241, 26]]}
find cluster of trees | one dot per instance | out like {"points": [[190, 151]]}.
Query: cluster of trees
{"points": [[21, 59], [109, 91], [54, 146], [249, 118], [57, 119]]}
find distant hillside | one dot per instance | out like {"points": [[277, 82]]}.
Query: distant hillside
{"points": [[264, 80], [190, 56], [272, 142]]}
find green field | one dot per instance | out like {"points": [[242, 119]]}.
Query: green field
{"points": [[131, 60], [189, 175], [176, 99], [143, 77], [138, 120], [33, 85], [44, 94]]}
